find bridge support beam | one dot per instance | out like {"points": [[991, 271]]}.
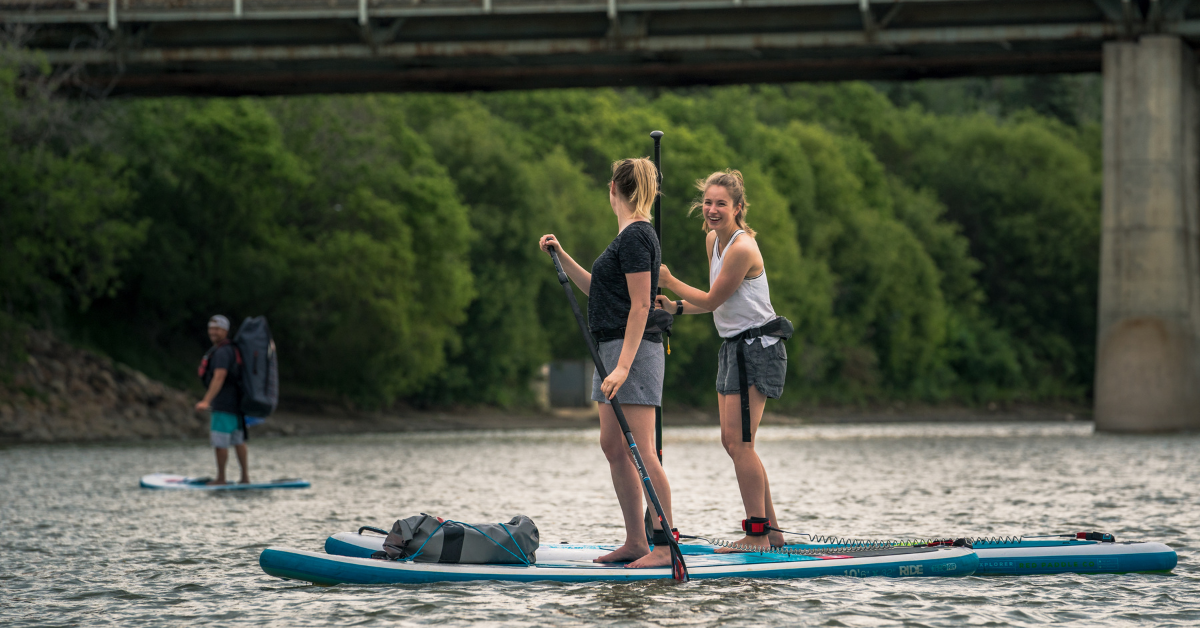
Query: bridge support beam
{"points": [[1148, 344]]}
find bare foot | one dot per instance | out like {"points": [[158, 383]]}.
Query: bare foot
{"points": [[746, 541], [624, 554], [216, 482], [777, 539], [660, 557], [244, 480]]}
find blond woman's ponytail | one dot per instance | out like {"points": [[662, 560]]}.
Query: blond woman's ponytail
{"points": [[637, 182]]}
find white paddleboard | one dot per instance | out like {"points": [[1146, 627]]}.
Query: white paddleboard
{"points": [[170, 481]]}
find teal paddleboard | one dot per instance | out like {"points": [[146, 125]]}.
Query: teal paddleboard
{"points": [[996, 557], [573, 563]]}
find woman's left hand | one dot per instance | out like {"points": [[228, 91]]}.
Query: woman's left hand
{"points": [[613, 382]]}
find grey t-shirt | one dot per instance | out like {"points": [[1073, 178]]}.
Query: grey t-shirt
{"points": [[635, 250], [227, 399]]}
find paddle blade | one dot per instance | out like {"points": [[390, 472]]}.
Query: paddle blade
{"points": [[678, 569]]}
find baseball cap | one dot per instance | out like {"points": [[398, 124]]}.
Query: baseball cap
{"points": [[219, 321]]}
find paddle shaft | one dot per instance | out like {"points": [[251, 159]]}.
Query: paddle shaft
{"points": [[658, 420], [678, 568], [657, 136]]}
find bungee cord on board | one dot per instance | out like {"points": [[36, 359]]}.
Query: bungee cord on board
{"points": [[818, 544], [823, 545]]}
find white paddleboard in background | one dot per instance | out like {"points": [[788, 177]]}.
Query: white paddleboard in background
{"points": [[171, 481]]}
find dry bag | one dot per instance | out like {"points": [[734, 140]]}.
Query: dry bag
{"points": [[260, 368], [428, 539]]}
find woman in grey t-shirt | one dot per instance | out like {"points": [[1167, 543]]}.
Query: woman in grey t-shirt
{"points": [[621, 289]]}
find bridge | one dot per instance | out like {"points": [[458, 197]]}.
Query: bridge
{"points": [[268, 47], [1148, 358]]}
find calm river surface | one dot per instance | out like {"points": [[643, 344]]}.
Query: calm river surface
{"points": [[81, 544]]}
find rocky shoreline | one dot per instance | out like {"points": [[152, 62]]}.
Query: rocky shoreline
{"points": [[61, 393]]}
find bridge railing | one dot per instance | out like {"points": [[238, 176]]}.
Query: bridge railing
{"points": [[63, 11]]}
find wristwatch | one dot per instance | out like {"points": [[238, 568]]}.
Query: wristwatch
{"points": [[679, 307]]}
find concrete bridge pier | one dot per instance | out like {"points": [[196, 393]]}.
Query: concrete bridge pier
{"points": [[1148, 344]]}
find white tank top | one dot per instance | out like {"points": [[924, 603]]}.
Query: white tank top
{"points": [[749, 306]]}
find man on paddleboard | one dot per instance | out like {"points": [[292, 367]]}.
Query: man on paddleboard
{"points": [[218, 371]]}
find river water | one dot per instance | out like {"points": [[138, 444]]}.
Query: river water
{"points": [[81, 544]]}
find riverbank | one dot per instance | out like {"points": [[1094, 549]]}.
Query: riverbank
{"points": [[61, 393]]}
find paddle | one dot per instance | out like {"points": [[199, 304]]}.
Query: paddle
{"points": [[658, 423], [678, 568]]}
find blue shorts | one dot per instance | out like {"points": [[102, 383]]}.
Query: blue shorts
{"points": [[224, 422]]}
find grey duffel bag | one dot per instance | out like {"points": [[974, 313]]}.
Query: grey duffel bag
{"points": [[426, 539]]}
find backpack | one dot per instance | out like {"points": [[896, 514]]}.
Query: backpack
{"points": [[259, 366]]}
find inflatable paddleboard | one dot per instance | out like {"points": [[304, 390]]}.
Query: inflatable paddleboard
{"points": [[179, 482], [573, 563], [1036, 556], [996, 557]]}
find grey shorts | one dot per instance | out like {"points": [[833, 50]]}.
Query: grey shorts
{"points": [[766, 368], [225, 440], [645, 382]]}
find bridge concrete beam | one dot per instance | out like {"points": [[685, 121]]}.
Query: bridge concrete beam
{"points": [[1148, 353]]}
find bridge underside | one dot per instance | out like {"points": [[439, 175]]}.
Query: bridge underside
{"points": [[265, 47]]}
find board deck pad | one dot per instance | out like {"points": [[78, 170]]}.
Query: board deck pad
{"points": [[170, 481]]}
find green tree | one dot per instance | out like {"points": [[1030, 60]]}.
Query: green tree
{"points": [[65, 226], [347, 235]]}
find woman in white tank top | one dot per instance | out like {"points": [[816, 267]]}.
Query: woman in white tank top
{"points": [[740, 302]]}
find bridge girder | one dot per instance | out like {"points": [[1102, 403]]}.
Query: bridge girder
{"points": [[233, 47]]}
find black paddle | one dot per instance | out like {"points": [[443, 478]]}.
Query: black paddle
{"points": [[678, 568], [658, 421]]}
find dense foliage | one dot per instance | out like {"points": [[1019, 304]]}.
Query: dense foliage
{"points": [[391, 240]]}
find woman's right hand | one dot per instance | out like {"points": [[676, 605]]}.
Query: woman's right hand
{"points": [[549, 242], [665, 279], [664, 303]]}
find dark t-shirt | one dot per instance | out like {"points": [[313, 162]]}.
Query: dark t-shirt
{"points": [[635, 250], [226, 400]]}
